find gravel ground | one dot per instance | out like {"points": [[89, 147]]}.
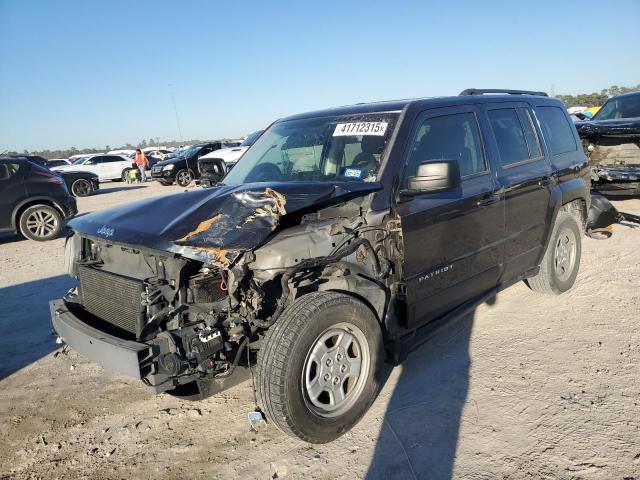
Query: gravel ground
{"points": [[529, 386]]}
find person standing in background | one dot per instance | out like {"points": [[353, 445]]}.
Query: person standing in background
{"points": [[142, 163]]}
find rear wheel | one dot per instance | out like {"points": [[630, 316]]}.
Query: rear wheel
{"points": [[40, 223], [82, 188], [561, 261], [318, 370], [184, 177]]}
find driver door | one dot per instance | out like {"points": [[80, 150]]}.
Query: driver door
{"points": [[453, 241]]}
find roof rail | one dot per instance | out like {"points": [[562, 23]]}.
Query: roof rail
{"points": [[482, 91]]}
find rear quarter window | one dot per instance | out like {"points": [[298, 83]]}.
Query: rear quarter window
{"points": [[556, 130], [8, 170]]}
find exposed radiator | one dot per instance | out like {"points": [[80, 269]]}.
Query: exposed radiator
{"points": [[113, 298]]}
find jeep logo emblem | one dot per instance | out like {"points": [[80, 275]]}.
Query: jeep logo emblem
{"points": [[106, 231]]}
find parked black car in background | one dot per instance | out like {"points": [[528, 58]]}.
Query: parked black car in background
{"points": [[34, 201], [183, 167], [612, 142], [80, 184]]}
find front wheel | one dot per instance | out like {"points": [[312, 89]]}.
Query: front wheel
{"points": [[184, 177], [319, 367], [561, 261], [40, 223]]}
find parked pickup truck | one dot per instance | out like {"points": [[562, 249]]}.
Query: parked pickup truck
{"points": [[337, 241], [612, 142]]}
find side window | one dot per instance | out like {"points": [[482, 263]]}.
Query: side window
{"points": [[509, 134], [448, 137], [113, 159], [96, 160], [8, 170], [556, 129], [530, 133]]}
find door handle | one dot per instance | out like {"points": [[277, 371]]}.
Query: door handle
{"points": [[488, 200]]}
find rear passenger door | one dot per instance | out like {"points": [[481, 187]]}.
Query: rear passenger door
{"points": [[453, 241], [526, 178], [114, 165]]}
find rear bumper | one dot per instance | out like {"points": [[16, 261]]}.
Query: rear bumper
{"points": [[70, 207], [124, 356], [617, 179]]}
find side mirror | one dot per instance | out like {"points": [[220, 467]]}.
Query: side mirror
{"points": [[433, 176]]}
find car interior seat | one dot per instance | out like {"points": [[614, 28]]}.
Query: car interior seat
{"points": [[368, 158]]}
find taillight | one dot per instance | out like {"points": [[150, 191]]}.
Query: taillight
{"points": [[51, 177]]}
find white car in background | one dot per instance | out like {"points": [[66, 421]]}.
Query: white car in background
{"points": [[107, 167], [231, 155]]}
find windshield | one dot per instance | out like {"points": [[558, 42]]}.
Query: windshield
{"points": [[81, 161], [622, 107], [325, 149], [250, 140], [188, 152]]}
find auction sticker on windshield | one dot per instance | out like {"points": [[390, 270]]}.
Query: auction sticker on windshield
{"points": [[360, 128]]}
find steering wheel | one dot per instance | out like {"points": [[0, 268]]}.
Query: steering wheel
{"points": [[265, 172]]}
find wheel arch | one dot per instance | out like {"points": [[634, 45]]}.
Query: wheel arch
{"points": [[30, 202], [368, 291], [573, 196]]}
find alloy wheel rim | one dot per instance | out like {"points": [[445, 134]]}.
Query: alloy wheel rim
{"points": [[565, 254], [335, 370], [81, 187], [184, 178], [42, 223]]}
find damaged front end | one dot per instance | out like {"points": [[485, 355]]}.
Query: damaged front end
{"points": [[187, 315], [613, 148]]}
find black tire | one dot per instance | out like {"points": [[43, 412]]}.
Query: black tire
{"points": [[40, 223], [561, 261], [124, 175], [81, 188], [184, 177], [286, 357]]}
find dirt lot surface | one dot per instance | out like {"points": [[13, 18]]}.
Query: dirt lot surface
{"points": [[527, 387]]}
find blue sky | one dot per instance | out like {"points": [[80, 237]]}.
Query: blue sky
{"points": [[90, 73]]}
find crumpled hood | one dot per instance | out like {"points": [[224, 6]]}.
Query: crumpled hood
{"points": [[219, 223], [620, 127]]}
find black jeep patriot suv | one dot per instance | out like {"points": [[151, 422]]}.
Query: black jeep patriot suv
{"points": [[338, 237]]}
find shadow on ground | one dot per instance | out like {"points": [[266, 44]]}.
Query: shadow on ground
{"points": [[10, 237], [25, 328], [419, 434], [105, 190]]}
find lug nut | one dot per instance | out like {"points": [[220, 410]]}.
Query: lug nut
{"points": [[329, 362], [339, 357], [336, 380], [343, 368], [327, 377]]}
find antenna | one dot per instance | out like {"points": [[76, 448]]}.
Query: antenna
{"points": [[175, 109]]}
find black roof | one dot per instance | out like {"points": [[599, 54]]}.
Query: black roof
{"points": [[399, 105], [628, 94]]}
